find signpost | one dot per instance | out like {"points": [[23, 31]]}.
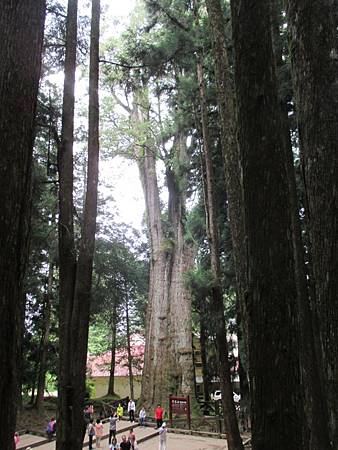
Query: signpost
{"points": [[179, 406]]}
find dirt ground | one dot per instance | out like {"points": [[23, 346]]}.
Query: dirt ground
{"points": [[30, 419]]}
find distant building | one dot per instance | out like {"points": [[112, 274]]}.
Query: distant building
{"points": [[98, 369]]}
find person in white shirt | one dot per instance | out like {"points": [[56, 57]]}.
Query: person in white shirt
{"points": [[163, 437], [142, 417], [131, 410]]}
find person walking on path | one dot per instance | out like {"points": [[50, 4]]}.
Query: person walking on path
{"points": [[131, 410], [142, 417], [91, 433], [98, 432], [112, 425], [51, 428], [119, 411], [132, 439], [114, 445], [159, 415], [163, 437], [125, 445]]}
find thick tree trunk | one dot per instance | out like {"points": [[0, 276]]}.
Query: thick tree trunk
{"points": [[314, 54], [316, 435], [111, 384], [21, 32], [129, 355], [168, 366], [271, 298], [78, 307], [155, 369], [226, 104], [47, 307], [67, 257], [182, 260], [230, 420]]}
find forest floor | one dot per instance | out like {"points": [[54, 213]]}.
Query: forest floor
{"points": [[30, 419]]}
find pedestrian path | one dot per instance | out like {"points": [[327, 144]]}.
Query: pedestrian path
{"points": [[182, 441], [123, 427], [147, 438]]}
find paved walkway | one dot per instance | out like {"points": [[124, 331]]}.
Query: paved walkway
{"points": [[182, 442], [174, 441], [122, 428]]}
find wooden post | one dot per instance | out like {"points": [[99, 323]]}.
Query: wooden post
{"points": [[188, 412]]}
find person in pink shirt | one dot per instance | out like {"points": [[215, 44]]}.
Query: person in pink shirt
{"points": [[16, 439], [98, 432]]}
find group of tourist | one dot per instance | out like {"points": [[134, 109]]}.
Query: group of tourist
{"points": [[96, 429]]}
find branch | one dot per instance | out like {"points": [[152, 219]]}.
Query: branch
{"points": [[121, 65], [119, 102], [172, 18]]}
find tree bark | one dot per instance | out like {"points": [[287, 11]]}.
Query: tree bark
{"points": [[315, 435], [314, 56], [226, 105], [21, 32], [271, 298], [47, 307], [230, 420]]}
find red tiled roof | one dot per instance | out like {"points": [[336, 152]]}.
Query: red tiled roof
{"points": [[99, 366]]}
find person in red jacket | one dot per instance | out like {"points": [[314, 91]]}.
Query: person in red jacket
{"points": [[159, 411]]}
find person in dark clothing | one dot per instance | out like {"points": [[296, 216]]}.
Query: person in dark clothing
{"points": [[125, 445]]}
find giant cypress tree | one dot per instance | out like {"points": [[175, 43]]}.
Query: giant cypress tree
{"points": [[271, 295], [21, 32], [314, 53]]}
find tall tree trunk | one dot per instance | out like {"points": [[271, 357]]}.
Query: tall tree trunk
{"points": [[168, 366], [129, 355], [154, 381], [67, 257], [226, 104], [314, 54], [78, 309], [271, 298], [230, 420], [316, 435], [182, 260], [47, 307], [111, 384], [21, 32], [83, 285]]}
